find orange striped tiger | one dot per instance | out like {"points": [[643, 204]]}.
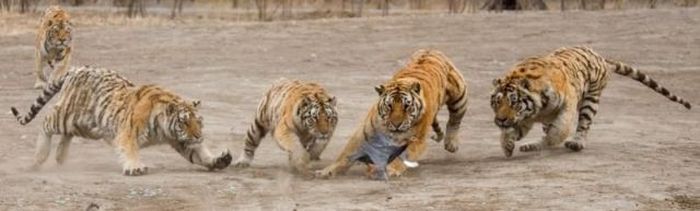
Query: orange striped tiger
{"points": [[560, 90], [54, 44], [407, 109], [300, 115], [97, 103]]}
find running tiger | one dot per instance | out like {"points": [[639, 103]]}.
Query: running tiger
{"points": [[97, 103], [54, 44], [407, 109], [556, 90], [300, 115]]}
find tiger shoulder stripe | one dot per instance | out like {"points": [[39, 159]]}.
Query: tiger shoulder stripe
{"points": [[407, 108], [301, 117], [562, 91], [97, 103], [54, 44]]}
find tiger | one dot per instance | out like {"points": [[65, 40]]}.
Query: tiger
{"points": [[407, 108], [300, 115], [97, 103], [53, 44], [556, 90]]}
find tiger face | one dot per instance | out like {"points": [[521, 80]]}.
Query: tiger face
{"points": [[185, 124], [400, 105], [59, 34], [319, 116], [512, 102]]}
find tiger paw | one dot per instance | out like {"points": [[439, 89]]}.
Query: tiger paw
{"points": [[508, 148], [222, 161], [135, 170], [574, 145], [396, 170], [325, 173], [437, 137], [531, 147], [451, 146], [242, 162], [39, 85]]}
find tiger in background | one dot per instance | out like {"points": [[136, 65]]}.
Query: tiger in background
{"points": [[301, 116], [557, 90], [54, 44], [97, 103], [407, 109]]}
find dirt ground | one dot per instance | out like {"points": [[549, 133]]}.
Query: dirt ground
{"points": [[642, 153]]}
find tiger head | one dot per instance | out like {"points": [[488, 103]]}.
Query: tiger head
{"points": [[317, 113], [512, 101], [400, 105], [184, 123], [59, 31]]}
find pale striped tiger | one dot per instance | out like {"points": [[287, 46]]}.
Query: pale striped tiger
{"points": [[97, 103], [560, 90], [54, 44], [301, 116]]}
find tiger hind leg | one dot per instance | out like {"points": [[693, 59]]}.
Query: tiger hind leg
{"points": [[586, 112], [456, 107], [439, 135], [255, 134], [42, 149], [62, 149]]}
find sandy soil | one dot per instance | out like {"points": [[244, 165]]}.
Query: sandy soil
{"points": [[642, 154]]}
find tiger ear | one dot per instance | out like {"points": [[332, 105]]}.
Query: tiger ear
{"points": [[196, 103], [379, 89], [332, 101], [170, 109], [526, 84], [496, 81], [415, 87]]}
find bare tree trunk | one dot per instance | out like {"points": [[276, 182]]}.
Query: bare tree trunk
{"points": [[136, 7], [23, 6], [262, 9], [5, 4], [357, 7], [619, 4], [287, 8], [385, 7], [563, 5]]}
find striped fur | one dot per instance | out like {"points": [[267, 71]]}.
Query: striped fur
{"points": [[407, 110], [560, 90], [54, 44], [97, 103], [300, 115]]}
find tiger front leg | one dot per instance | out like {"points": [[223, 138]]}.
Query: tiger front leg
{"points": [[299, 158], [198, 154], [128, 149], [556, 132], [317, 147], [40, 80], [415, 150], [342, 162], [512, 134]]}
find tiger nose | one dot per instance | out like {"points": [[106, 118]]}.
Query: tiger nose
{"points": [[503, 122]]}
